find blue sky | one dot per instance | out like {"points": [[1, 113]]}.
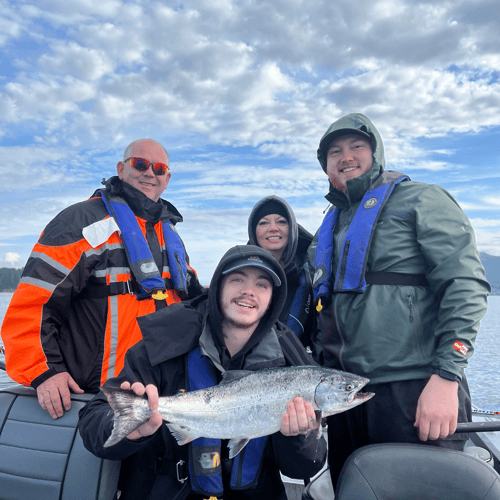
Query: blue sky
{"points": [[239, 93]]}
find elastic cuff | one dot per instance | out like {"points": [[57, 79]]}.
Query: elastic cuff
{"points": [[448, 375]]}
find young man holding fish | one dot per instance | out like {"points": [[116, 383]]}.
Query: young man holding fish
{"points": [[187, 347]]}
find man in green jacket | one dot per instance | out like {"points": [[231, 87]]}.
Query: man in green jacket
{"points": [[400, 291]]}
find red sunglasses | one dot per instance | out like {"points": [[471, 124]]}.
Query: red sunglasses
{"points": [[142, 165]]}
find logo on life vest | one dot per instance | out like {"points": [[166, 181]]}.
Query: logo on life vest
{"points": [[370, 203], [461, 348], [209, 460], [318, 275], [149, 267]]}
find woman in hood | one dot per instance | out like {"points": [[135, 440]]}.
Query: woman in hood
{"points": [[272, 226]]}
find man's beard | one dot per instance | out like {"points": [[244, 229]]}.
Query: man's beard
{"points": [[240, 324]]}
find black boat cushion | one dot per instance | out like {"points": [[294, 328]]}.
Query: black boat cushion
{"points": [[415, 472], [44, 459]]}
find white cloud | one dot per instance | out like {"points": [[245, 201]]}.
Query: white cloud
{"points": [[10, 23], [12, 257], [484, 223], [71, 59], [231, 87], [488, 242], [234, 74]]}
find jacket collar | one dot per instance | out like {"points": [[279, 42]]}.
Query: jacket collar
{"points": [[141, 205], [266, 354]]}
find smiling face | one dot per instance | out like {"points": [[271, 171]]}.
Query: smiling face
{"points": [[150, 184], [348, 156], [245, 295], [272, 234]]}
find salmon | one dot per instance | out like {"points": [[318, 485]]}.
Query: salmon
{"points": [[245, 405]]}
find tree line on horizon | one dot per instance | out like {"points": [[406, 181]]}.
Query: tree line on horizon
{"points": [[9, 278]]}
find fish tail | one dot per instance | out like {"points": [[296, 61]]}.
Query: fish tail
{"points": [[126, 417]]}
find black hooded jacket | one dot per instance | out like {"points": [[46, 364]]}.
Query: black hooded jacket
{"points": [[297, 312], [159, 359]]}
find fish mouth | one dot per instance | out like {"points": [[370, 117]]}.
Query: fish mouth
{"points": [[360, 397]]}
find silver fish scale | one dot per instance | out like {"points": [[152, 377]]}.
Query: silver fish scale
{"points": [[245, 408], [240, 409]]}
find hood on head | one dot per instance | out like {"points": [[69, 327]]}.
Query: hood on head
{"points": [[355, 123], [293, 233], [231, 257]]}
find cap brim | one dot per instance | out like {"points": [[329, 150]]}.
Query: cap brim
{"points": [[254, 263]]}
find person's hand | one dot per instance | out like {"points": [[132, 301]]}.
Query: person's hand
{"points": [[154, 423], [437, 409], [55, 389], [299, 418]]}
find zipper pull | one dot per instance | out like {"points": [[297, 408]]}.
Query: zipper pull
{"points": [[410, 305]]}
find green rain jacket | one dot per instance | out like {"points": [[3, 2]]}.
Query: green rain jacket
{"points": [[400, 332]]}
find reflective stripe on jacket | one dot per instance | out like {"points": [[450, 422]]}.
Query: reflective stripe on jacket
{"points": [[54, 322]]}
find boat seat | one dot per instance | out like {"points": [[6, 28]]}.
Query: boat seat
{"points": [[415, 472], [44, 459]]}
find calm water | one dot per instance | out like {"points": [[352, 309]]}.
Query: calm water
{"points": [[483, 370]]}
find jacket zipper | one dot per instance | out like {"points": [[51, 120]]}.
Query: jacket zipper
{"points": [[410, 306], [341, 336]]}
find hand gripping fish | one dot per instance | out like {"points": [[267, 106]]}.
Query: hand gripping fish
{"points": [[245, 405]]}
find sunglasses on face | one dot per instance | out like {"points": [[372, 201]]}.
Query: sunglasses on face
{"points": [[142, 165]]}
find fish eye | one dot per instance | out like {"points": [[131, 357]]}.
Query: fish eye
{"points": [[349, 387]]}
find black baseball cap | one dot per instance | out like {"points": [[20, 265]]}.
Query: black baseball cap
{"points": [[253, 261]]}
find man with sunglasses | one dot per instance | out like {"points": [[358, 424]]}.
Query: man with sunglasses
{"points": [[97, 266]]}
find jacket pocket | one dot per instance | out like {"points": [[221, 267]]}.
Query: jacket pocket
{"points": [[416, 327]]}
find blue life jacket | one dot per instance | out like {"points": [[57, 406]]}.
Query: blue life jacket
{"points": [[299, 302], [205, 470], [356, 244], [139, 254]]}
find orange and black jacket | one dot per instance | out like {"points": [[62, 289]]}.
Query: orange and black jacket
{"points": [[73, 310]]}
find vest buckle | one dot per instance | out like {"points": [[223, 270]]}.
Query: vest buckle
{"points": [[159, 295], [182, 471], [130, 290]]}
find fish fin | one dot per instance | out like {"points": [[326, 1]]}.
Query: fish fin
{"points": [[229, 376], [180, 433], [125, 418], [319, 418], [236, 445]]}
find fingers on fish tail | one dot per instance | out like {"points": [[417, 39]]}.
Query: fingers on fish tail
{"points": [[125, 418]]}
